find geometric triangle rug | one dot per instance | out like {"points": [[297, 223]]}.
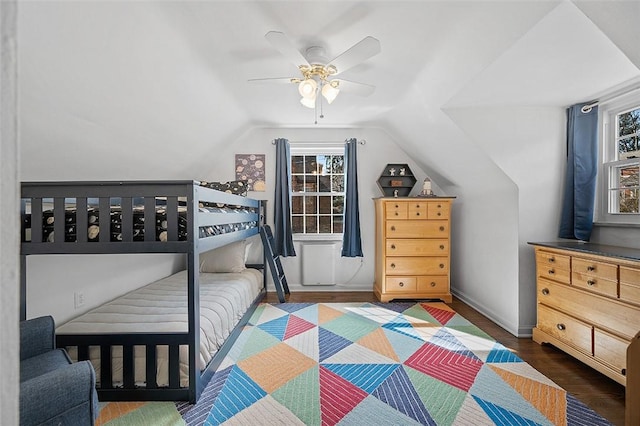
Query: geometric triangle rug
{"points": [[377, 364]]}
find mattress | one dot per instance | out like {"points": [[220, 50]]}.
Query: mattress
{"points": [[162, 307]]}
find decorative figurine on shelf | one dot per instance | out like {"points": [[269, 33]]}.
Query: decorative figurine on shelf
{"points": [[392, 171], [402, 171], [395, 193], [426, 188]]}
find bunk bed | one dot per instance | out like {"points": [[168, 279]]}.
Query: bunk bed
{"points": [[149, 217]]}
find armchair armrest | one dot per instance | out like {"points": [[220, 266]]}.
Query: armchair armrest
{"points": [[37, 336], [63, 396]]}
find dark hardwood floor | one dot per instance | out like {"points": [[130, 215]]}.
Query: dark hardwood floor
{"points": [[596, 390]]}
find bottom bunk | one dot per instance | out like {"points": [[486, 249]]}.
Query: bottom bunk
{"points": [[139, 342]]}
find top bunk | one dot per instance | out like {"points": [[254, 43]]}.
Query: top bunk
{"points": [[96, 217]]}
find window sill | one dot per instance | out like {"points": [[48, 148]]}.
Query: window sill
{"points": [[317, 237], [616, 225]]}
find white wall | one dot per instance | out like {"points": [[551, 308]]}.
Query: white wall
{"points": [[9, 236]]}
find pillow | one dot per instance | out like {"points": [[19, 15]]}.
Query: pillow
{"points": [[237, 187], [229, 258]]}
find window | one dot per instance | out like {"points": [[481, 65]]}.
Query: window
{"points": [[621, 162], [317, 190]]}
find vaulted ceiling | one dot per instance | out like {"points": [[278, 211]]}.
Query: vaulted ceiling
{"points": [[147, 74]]}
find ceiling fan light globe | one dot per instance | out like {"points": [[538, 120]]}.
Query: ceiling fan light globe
{"points": [[307, 88], [329, 92], [308, 102]]}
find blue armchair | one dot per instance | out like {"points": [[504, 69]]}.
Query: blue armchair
{"points": [[53, 390]]}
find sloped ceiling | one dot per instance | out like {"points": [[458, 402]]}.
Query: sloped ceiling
{"points": [[121, 79]]}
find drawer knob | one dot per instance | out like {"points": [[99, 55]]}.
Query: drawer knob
{"points": [[442, 228], [439, 214], [591, 282], [551, 271], [545, 291], [442, 266], [441, 246], [433, 284], [417, 213], [401, 284], [552, 259], [396, 213], [417, 206], [439, 205], [393, 228], [561, 327], [393, 265], [393, 246], [397, 206], [591, 268]]}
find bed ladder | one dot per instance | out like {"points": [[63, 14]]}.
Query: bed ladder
{"points": [[275, 266]]}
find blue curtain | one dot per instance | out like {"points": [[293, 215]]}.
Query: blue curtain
{"points": [[351, 243], [576, 220], [283, 238]]}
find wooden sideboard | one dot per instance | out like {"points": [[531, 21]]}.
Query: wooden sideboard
{"points": [[412, 248], [588, 302]]}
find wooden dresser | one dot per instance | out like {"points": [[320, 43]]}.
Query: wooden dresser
{"points": [[412, 248], [588, 302]]}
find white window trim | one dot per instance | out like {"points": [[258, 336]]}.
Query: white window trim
{"points": [[607, 152], [315, 148]]}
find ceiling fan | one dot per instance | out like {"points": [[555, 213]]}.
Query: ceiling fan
{"points": [[318, 74]]}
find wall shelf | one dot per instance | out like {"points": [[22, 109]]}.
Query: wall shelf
{"points": [[396, 180]]}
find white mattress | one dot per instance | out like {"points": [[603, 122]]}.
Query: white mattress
{"points": [[162, 307]]}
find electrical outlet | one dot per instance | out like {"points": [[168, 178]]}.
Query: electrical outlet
{"points": [[78, 299]]}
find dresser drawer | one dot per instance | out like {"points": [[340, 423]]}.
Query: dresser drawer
{"points": [[416, 247], [610, 349], [438, 210], [603, 312], [553, 260], [566, 328], [400, 284], [594, 268], [395, 210], [417, 265], [630, 284], [433, 284], [595, 284], [554, 273], [417, 210], [417, 228]]}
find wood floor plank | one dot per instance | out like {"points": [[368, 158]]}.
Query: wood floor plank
{"points": [[596, 390]]}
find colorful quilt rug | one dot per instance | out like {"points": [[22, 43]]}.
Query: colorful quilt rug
{"points": [[377, 364]]}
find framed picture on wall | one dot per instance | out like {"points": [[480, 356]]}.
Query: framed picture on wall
{"points": [[250, 167]]}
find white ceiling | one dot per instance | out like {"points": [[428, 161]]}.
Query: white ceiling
{"points": [[152, 70]]}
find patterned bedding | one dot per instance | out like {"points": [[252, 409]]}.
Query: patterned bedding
{"points": [[162, 307]]}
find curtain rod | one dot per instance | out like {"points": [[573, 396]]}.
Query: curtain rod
{"points": [[587, 108], [360, 142]]}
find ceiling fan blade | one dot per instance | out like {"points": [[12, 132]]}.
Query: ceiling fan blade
{"points": [[272, 80], [360, 89], [283, 45], [359, 52]]}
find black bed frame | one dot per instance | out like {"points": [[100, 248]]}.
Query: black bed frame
{"points": [[175, 193]]}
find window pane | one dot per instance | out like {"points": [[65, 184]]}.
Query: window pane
{"points": [[629, 123], [628, 147], [311, 184], [627, 201], [324, 183], [297, 224], [325, 224], [310, 165], [325, 205], [297, 183], [296, 205], [337, 164], [338, 204], [312, 226], [337, 224], [297, 164], [628, 176], [338, 183], [311, 205]]}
